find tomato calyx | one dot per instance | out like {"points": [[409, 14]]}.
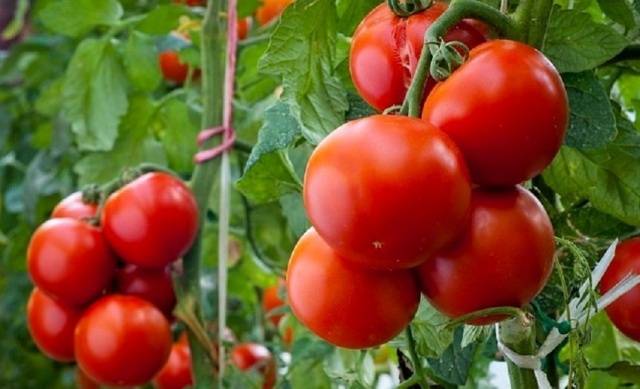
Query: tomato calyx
{"points": [[406, 8], [446, 58]]}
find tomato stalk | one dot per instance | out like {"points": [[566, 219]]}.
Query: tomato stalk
{"points": [[458, 10], [532, 19], [519, 335], [188, 289], [419, 375]]}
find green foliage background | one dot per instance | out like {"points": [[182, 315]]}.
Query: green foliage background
{"points": [[83, 98]]}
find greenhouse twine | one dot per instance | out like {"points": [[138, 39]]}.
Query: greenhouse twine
{"points": [[579, 311]]}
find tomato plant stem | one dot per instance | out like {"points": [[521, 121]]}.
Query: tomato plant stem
{"points": [[213, 61], [532, 19], [418, 370], [496, 311], [519, 335], [458, 10]]}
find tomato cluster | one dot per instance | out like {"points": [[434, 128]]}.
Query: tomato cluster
{"points": [[405, 205], [103, 292]]}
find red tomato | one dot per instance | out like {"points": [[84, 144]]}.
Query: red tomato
{"points": [[243, 27], [122, 340], [153, 285], [83, 381], [625, 311], [70, 260], [151, 221], [507, 110], [73, 207], [271, 300], [51, 324], [387, 191], [386, 48], [504, 257], [191, 3], [250, 356], [270, 10], [172, 68], [346, 305], [176, 373]]}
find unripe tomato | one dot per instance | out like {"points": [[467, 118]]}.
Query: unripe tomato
{"points": [[625, 311], [507, 110], [386, 48], [83, 381], [250, 356], [346, 305], [270, 10], [387, 191], [504, 257], [122, 340], [271, 300], [51, 325], [172, 68], [70, 260], [73, 207], [176, 373], [151, 221], [153, 285]]}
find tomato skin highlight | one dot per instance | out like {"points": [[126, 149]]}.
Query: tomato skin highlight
{"points": [[51, 325], [271, 300], [386, 48], [152, 221], [172, 68], [70, 260], [249, 356], [507, 110], [270, 10], [504, 258], [625, 311], [122, 341], [176, 373], [387, 191], [346, 305], [73, 207], [153, 285]]}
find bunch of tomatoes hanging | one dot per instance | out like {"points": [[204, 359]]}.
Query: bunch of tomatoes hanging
{"points": [[402, 206]]}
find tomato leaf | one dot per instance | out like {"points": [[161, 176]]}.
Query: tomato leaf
{"points": [[574, 42], [141, 62], [429, 329], [77, 17], [592, 123], [301, 52], [352, 12], [293, 211], [95, 94], [619, 11], [162, 19], [269, 173], [133, 147], [454, 364], [178, 134], [472, 334]]}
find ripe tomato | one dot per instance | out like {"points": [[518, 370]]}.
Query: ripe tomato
{"points": [[387, 191], [151, 221], [70, 260], [122, 341], [625, 311], [153, 285], [244, 25], [176, 373], [171, 67], [346, 305], [253, 356], [270, 10], [386, 48], [83, 381], [191, 3], [73, 207], [504, 257], [506, 108], [51, 324], [271, 300]]}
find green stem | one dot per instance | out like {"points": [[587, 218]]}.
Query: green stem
{"points": [[213, 61], [497, 311], [413, 380], [532, 19], [458, 10], [418, 370], [519, 335]]}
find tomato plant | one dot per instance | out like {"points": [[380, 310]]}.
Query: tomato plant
{"points": [[74, 207], [153, 285], [172, 68], [252, 356], [176, 373]]}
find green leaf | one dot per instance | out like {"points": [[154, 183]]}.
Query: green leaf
{"points": [[178, 134], [351, 13], [609, 178], [141, 62], [591, 222], [624, 370], [134, 146], [472, 334], [592, 122], [162, 19], [575, 43], [619, 11], [248, 7], [269, 174], [77, 17], [95, 94], [301, 52], [430, 331], [293, 210], [454, 364]]}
